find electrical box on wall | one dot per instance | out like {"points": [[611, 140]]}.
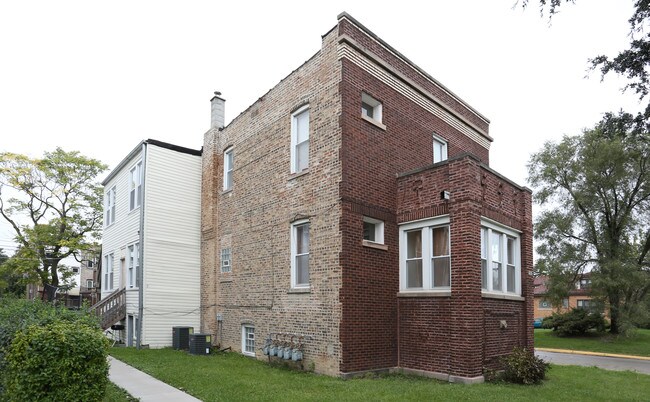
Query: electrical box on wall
{"points": [[219, 317]]}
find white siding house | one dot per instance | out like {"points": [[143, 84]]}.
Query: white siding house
{"points": [[151, 240]]}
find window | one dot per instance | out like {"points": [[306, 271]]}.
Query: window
{"points": [[300, 254], [109, 207], [373, 230], [300, 140], [75, 270], [584, 304], [108, 272], [135, 186], [425, 255], [225, 260], [545, 304], [565, 303], [133, 259], [500, 266], [584, 283], [248, 340], [228, 165], [89, 283], [371, 108], [439, 149]]}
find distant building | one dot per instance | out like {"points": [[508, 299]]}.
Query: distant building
{"points": [[579, 297]]}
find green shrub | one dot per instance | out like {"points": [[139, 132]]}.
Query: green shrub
{"points": [[61, 361], [523, 367], [17, 315], [575, 322]]}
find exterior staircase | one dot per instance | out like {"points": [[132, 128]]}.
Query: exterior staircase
{"points": [[111, 309]]}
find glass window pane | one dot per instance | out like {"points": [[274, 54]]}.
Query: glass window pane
{"points": [[440, 238], [511, 278], [414, 274], [484, 243], [302, 126], [414, 244], [441, 272], [367, 110], [302, 269], [496, 276], [302, 156], [511, 251], [495, 244], [369, 231], [302, 239]]}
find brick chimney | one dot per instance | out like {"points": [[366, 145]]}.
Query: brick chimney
{"points": [[218, 110]]}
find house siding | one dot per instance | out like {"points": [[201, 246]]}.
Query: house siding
{"points": [[171, 244]]}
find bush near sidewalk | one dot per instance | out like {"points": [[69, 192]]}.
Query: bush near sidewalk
{"points": [[574, 322]]}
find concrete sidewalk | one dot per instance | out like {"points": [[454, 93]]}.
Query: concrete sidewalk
{"points": [[143, 386], [607, 361]]}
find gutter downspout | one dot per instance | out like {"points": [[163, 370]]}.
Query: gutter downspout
{"points": [[138, 341]]}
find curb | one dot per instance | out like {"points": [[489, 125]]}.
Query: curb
{"points": [[581, 352]]}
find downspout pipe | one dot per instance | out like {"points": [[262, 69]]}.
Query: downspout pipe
{"points": [[140, 273]]}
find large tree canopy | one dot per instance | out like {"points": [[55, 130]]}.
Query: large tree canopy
{"points": [[54, 205], [595, 192], [632, 63]]}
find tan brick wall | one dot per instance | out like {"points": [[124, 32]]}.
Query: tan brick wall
{"points": [[254, 218]]}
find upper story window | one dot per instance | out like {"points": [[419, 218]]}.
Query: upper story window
{"points": [[109, 207], [371, 108], [300, 140], [500, 259], [135, 186], [89, 283], [584, 283], [228, 166], [225, 260], [133, 266], [425, 255], [373, 230], [108, 272], [300, 254], [439, 149]]}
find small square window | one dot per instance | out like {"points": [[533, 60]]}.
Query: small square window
{"points": [[225, 260], [439, 149], [373, 230], [371, 108]]}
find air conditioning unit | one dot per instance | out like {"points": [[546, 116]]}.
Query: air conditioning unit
{"points": [[200, 344], [181, 337]]}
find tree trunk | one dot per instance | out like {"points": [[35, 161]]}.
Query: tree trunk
{"points": [[614, 314]]}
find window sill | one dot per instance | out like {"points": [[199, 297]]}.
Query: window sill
{"points": [[372, 244], [299, 290], [303, 172], [425, 293], [128, 289], [226, 280], [502, 296], [224, 192], [373, 122]]}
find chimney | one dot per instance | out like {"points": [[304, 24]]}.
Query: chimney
{"points": [[218, 110]]}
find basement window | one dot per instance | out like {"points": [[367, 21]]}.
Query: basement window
{"points": [[248, 340]]}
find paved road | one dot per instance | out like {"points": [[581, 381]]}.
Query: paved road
{"points": [[607, 363]]}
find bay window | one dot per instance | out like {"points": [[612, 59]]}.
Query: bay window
{"points": [[500, 259], [425, 255]]}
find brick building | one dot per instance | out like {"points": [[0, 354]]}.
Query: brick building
{"points": [[578, 297], [352, 207]]}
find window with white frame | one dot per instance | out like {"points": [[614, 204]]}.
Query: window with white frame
{"points": [[225, 260], [373, 230], [439, 149], [371, 108], [500, 259], [89, 283], [108, 272], [133, 267], [300, 254], [300, 140], [109, 207], [425, 255], [135, 186], [248, 340], [228, 166]]}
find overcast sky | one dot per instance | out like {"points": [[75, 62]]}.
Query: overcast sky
{"points": [[98, 77]]}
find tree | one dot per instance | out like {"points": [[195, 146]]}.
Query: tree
{"points": [[54, 206], [595, 188], [632, 63], [10, 282]]}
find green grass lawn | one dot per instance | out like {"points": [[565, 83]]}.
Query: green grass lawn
{"points": [[233, 377], [116, 394], [637, 344]]}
